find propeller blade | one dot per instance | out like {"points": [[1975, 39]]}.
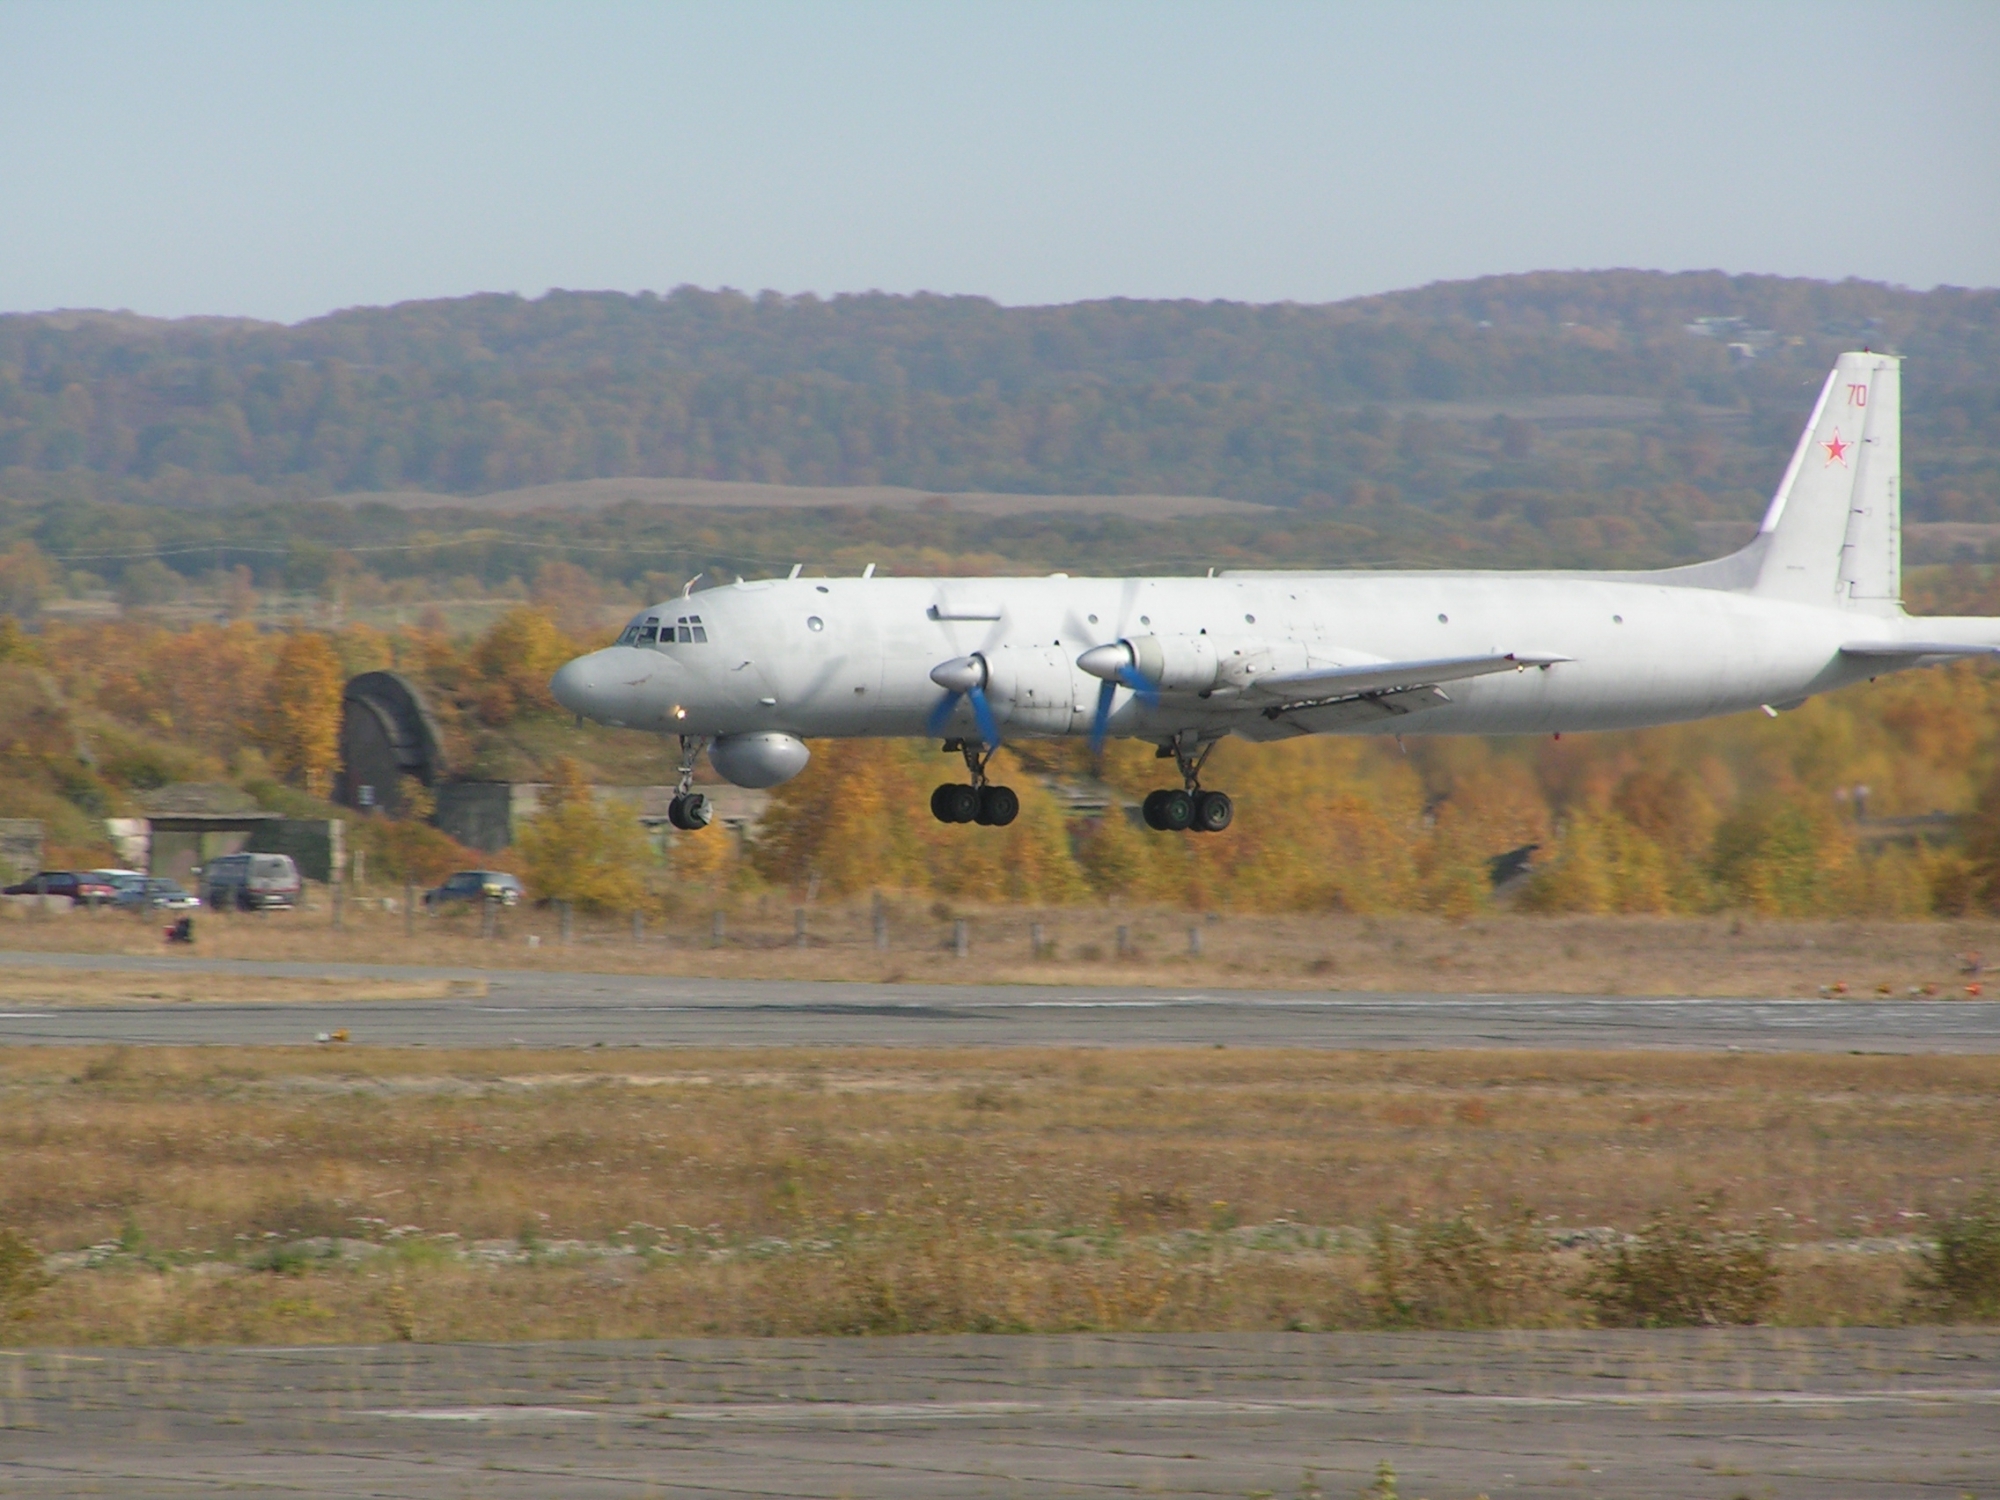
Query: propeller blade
{"points": [[1149, 693], [946, 706], [1100, 721], [982, 711]]}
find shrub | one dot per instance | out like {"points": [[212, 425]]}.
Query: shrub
{"points": [[1959, 1276], [1683, 1270], [1456, 1271], [21, 1275]]}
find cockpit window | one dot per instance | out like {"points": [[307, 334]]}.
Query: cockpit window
{"points": [[685, 630]]}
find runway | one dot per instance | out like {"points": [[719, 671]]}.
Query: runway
{"points": [[1772, 1413], [542, 1008]]}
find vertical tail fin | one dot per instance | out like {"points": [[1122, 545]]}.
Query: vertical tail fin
{"points": [[1833, 534]]}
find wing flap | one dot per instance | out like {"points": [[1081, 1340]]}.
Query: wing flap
{"points": [[1390, 676]]}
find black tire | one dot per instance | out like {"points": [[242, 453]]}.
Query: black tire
{"points": [[697, 812], [998, 806], [1213, 812], [955, 803], [1176, 811], [1150, 810]]}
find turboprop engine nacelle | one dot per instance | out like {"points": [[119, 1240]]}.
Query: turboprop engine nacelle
{"points": [[1191, 663], [762, 759], [1167, 663]]}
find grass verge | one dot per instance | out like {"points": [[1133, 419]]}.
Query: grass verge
{"points": [[254, 1194]]}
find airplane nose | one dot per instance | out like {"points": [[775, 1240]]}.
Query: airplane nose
{"points": [[573, 684]]}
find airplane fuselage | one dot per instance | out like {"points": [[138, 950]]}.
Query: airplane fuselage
{"points": [[852, 657]]}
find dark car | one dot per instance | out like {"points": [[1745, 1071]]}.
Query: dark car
{"points": [[88, 888], [477, 885]]}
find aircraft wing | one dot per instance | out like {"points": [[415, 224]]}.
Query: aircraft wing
{"points": [[1909, 651], [1390, 676]]}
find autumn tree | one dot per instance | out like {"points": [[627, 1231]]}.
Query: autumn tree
{"points": [[515, 660], [579, 850], [300, 726], [26, 580]]}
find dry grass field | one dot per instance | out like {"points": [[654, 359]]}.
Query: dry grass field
{"points": [[335, 1194], [1503, 953]]}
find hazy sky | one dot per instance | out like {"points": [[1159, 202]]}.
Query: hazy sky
{"points": [[281, 160]]}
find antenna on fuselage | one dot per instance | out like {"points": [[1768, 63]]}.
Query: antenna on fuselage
{"points": [[797, 568], [869, 571]]}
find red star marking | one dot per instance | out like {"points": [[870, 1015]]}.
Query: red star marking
{"points": [[1836, 451]]}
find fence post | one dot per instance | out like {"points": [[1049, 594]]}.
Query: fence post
{"points": [[717, 930], [568, 912], [881, 927], [1194, 940], [488, 920], [409, 906], [961, 937], [333, 879], [638, 929], [1124, 942], [799, 927], [1035, 939]]}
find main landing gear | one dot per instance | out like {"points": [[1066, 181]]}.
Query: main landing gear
{"points": [[1190, 809], [689, 810], [994, 806]]}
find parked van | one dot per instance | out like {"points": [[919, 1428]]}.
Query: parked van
{"points": [[250, 882]]}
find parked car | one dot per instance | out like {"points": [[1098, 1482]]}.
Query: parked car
{"points": [[156, 893], [477, 885], [86, 887], [250, 882], [123, 883]]}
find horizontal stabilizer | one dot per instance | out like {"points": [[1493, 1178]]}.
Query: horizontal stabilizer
{"points": [[1385, 676], [1911, 650]]}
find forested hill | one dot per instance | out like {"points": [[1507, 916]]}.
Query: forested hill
{"points": [[1465, 398]]}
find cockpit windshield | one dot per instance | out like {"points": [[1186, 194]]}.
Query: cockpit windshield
{"points": [[653, 630]]}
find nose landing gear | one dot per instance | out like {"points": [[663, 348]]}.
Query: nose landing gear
{"points": [[979, 802], [1190, 809], [689, 810]]}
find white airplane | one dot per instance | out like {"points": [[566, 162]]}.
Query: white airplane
{"points": [[750, 671]]}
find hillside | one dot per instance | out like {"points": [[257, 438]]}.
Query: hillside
{"points": [[1621, 417]]}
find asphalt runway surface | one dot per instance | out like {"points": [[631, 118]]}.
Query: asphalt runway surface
{"points": [[542, 1008], [1772, 1413]]}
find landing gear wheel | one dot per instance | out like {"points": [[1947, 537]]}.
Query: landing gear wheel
{"points": [[1176, 811], [955, 803], [1212, 812], [690, 812], [1150, 810], [998, 806]]}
